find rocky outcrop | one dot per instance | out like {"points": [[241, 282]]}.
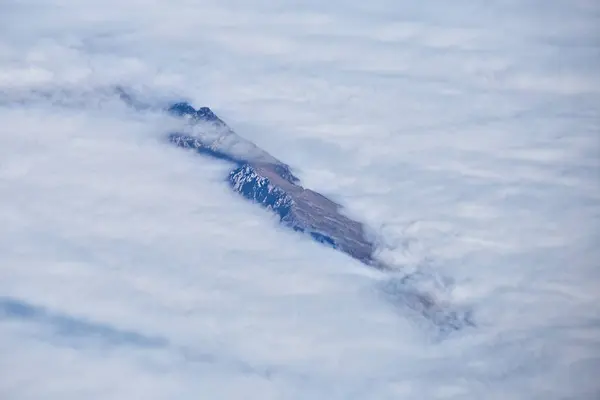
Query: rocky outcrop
{"points": [[263, 179]]}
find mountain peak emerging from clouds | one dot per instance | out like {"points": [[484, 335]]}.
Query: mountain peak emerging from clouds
{"points": [[260, 177]]}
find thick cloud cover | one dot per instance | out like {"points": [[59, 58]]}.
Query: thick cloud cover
{"points": [[466, 136]]}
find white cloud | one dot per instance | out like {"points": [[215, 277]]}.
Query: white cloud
{"points": [[466, 136]]}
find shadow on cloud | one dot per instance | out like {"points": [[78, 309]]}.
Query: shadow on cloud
{"points": [[67, 326]]}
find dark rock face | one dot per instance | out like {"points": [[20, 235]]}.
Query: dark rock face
{"points": [[301, 209], [202, 114], [260, 177]]}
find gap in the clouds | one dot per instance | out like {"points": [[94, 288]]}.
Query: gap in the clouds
{"points": [[422, 293], [413, 290]]}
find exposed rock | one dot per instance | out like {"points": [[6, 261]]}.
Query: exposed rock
{"points": [[262, 178]]}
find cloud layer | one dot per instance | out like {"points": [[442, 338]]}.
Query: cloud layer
{"points": [[465, 136]]}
